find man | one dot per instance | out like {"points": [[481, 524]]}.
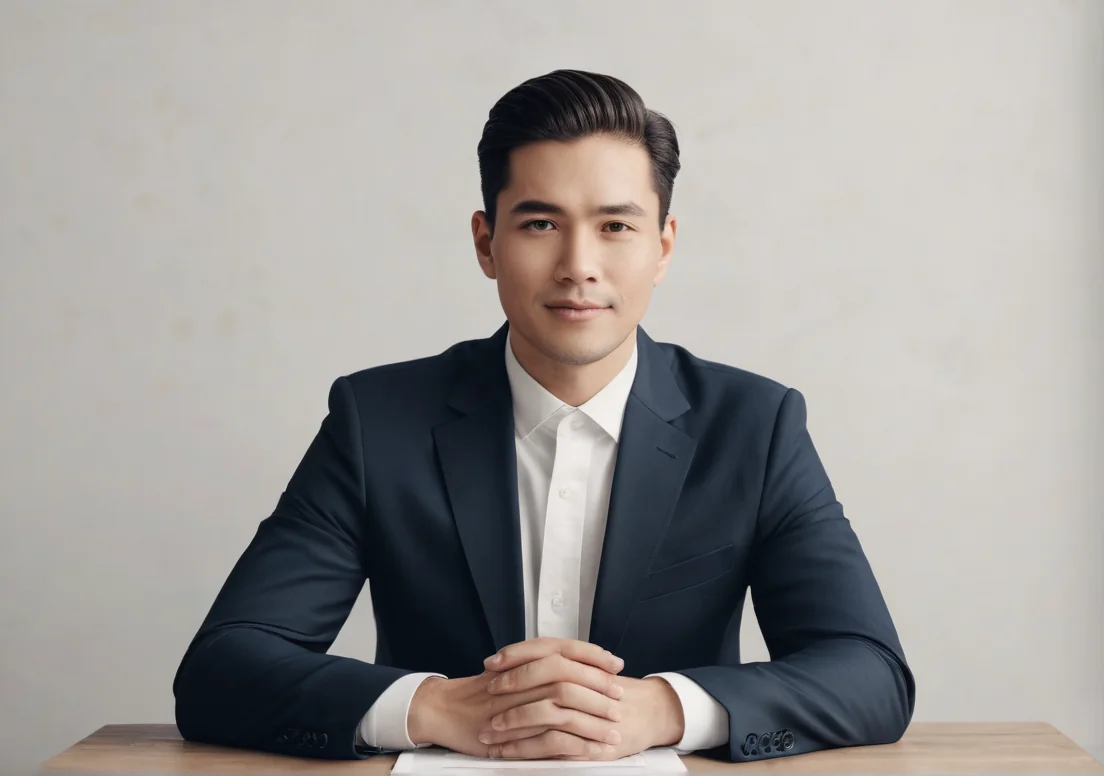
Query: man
{"points": [[560, 522]]}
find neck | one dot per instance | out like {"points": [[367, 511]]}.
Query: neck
{"points": [[573, 384]]}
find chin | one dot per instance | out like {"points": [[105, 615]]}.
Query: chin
{"points": [[577, 353]]}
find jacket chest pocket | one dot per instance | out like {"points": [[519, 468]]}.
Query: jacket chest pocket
{"points": [[689, 573]]}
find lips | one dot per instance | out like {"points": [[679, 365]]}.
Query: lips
{"points": [[575, 312], [576, 306]]}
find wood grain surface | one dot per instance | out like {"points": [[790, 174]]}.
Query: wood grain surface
{"points": [[927, 748]]}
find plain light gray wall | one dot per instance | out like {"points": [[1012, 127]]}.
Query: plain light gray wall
{"points": [[209, 210]]}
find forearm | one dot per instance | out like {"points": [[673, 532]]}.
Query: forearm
{"points": [[244, 687], [835, 693]]}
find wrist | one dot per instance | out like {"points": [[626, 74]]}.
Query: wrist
{"points": [[424, 710], [668, 723]]}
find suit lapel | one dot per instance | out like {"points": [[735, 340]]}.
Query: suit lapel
{"points": [[652, 461], [479, 465]]}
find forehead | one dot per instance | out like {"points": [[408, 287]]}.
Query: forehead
{"points": [[581, 174]]}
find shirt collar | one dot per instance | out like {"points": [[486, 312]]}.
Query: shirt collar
{"points": [[533, 404]]}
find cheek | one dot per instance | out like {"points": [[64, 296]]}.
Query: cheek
{"points": [[528, 264], [518, 285], [635, 281]]}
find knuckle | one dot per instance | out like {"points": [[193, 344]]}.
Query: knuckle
{"points": [[557, 715], [531, 714], [561, 742], [599, 679]]}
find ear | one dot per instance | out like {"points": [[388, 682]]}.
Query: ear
{"points": [[667, 248], [482, 237]]}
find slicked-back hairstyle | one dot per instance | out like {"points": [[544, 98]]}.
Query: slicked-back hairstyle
{"points": [[568, 105]]}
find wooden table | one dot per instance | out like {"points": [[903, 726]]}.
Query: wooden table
{"points": [[927, 748]]}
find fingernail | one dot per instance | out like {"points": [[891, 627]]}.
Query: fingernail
{"points": [[613, 738], [617, 691], [619, 663], [484, 738]]}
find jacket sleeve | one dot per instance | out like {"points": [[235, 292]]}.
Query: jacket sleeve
{"points": [[837, 676], [256, 675]]}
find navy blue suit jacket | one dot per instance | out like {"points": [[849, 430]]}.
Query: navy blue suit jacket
{"points": [[411, 483]]}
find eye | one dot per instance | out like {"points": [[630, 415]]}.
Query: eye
{"points": [[538, 225], [618, 227]]}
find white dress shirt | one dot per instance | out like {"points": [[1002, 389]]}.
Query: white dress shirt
{"points": [[565, 463]]}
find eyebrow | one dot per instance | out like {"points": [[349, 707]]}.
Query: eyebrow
{"points": [[536, 206]]}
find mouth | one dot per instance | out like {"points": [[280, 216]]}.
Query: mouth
{"points": [[576, 311], [575, 306]]}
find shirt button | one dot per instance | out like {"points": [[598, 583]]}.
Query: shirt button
{"points": [[565, 492], [557, 602]]}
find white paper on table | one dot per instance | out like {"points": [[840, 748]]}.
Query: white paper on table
{"points": [[441, 762]]}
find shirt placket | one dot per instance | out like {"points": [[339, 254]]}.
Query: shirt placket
{"points": [[561, 555]]}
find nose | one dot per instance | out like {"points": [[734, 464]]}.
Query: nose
{"points": [[578, 261]]}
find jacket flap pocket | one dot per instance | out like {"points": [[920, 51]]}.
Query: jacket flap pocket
{"points": [[689, 572]]}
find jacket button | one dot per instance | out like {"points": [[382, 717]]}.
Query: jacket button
{"points": [[323, 739], [787, 740], [749, 745]]}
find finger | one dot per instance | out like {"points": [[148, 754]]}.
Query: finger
{"points": [[547, 714], [564, 695], [502, 736], [505, 736], [554, 669], [569, 695], [607, 753], [592, 655], [534, 649], [549, 745]]}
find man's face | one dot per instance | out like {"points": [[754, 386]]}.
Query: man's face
{"points": [[577, 246]]}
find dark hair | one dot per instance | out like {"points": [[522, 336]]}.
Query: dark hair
{"points": [[567, 105]]}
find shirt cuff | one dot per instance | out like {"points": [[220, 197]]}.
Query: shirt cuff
{"points": [[706, 720], [385, 724]]}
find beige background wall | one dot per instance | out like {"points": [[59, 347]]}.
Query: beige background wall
{"points": [[209, 210]]}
